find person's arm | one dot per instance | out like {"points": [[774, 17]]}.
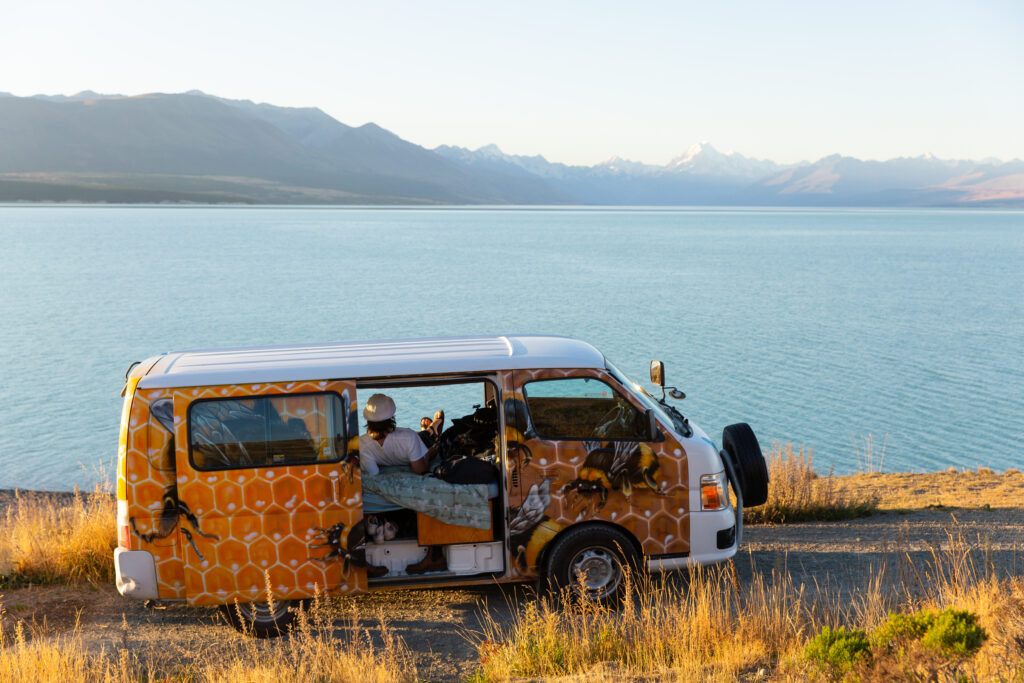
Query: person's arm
{"points": [[419, 466]]}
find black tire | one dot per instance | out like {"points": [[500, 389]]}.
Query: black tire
{"points": [[256, 618], [602, 554], [740, 444]]}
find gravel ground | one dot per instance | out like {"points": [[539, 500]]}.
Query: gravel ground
{"points": [[437, 625]]}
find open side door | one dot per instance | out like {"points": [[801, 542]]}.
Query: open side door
{"points": [[267, 496]]}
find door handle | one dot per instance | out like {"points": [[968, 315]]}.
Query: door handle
{"points": [[334, 483]]}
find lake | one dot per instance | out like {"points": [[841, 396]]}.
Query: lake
{"points": [[818, 327]]}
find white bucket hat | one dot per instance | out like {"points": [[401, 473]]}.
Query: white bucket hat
{"points": [[379, 407]]}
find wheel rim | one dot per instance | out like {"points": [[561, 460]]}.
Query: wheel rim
{"points": [[260, 612], [600, 571]]}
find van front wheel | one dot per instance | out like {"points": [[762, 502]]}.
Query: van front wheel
{"points": [[258, 619], [591, 563]]}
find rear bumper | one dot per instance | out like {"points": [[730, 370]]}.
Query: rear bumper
{"points": [[135, 574]]}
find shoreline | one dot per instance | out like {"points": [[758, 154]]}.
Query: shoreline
{"points": [[896, 491]]}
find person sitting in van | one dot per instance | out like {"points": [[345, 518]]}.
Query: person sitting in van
{"points": [[386, 444], [430, 429]]}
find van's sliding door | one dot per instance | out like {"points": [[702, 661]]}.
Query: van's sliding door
{"points": [[268, 499]]}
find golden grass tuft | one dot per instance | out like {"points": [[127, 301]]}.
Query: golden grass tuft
{"points": [[314, 650], [706, 630], [796, 493], [714, 628], [44, 542]]}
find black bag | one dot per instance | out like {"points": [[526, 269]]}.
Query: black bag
{"points": [[473, 434], [465, 469]]}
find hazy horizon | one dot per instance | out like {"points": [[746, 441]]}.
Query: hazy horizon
{"points": [[577, 83], [611, 157]]}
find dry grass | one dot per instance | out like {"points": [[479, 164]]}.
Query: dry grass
{"points": [[796, 493], [716, 629], [708, 630], [44, 542], [870, 455], [947, 489], [315, 651]]}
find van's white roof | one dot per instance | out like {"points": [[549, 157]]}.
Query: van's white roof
{"points": [[367, 359]]}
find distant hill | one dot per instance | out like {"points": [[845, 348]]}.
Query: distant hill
{"points": [[250, 152], [194, 147]]}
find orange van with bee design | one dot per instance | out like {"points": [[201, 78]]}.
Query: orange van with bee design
{"points": [[240, 483]]}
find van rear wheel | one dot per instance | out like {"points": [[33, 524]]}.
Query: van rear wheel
{"points": [[591, 563], [258, 619]]}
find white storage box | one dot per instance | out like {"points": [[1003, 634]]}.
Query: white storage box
{"points": [[395, 555], [474, 558]]}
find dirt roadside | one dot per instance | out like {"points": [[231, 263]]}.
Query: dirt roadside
{"points": [[438, 625]]}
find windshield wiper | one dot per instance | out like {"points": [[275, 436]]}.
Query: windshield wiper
{"points": [[679, 418]]}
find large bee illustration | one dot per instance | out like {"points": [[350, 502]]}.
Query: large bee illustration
{"points": [[612, 466], [172, 508], [529, 528], [351, 547]]}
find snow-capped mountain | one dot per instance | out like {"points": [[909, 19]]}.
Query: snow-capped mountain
{"points": [[703, 159], [704, 175]]}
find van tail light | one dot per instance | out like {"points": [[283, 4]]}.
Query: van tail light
{"points": [[712, 491], [124, 539]]}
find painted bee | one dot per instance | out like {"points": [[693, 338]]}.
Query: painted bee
{"points": [[351, 547], [615, 465], [529, 528]]}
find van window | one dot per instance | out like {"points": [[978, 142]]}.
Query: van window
{"points": [[262, 431], [581, 408]]}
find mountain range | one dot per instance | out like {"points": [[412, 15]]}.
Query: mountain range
{"points": [[194, 147]]}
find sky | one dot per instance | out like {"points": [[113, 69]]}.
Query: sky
{"points": [[578, 82]]}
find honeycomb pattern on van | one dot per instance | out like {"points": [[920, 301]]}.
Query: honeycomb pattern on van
{"points": [[546, 502], [253, 525]]}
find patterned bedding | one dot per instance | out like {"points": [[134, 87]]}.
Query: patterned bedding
{"points": [[458, 504]]}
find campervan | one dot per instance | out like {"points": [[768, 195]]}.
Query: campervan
{"points": [[239, 480]]}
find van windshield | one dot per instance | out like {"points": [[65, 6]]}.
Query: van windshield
{"points": [[665, 414]]}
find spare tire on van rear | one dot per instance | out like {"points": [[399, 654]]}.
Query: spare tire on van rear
{"points": [[741, 447]]}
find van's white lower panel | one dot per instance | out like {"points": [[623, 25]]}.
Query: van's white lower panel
{"points": [[704, 528], [135, 574]]}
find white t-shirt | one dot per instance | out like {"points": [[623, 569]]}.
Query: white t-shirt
{"points": [[401, 447]]}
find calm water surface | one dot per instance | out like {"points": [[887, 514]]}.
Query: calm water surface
{"points": [[816, 326]]}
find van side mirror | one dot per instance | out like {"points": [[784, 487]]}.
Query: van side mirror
{"points": [[657, 373]]}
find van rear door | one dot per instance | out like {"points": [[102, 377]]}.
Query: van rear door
{"points": [[268, 498]]}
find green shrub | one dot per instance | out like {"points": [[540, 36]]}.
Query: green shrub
{"points": [[955, 633], [900, 628], [950, 633], [838, 651]]}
